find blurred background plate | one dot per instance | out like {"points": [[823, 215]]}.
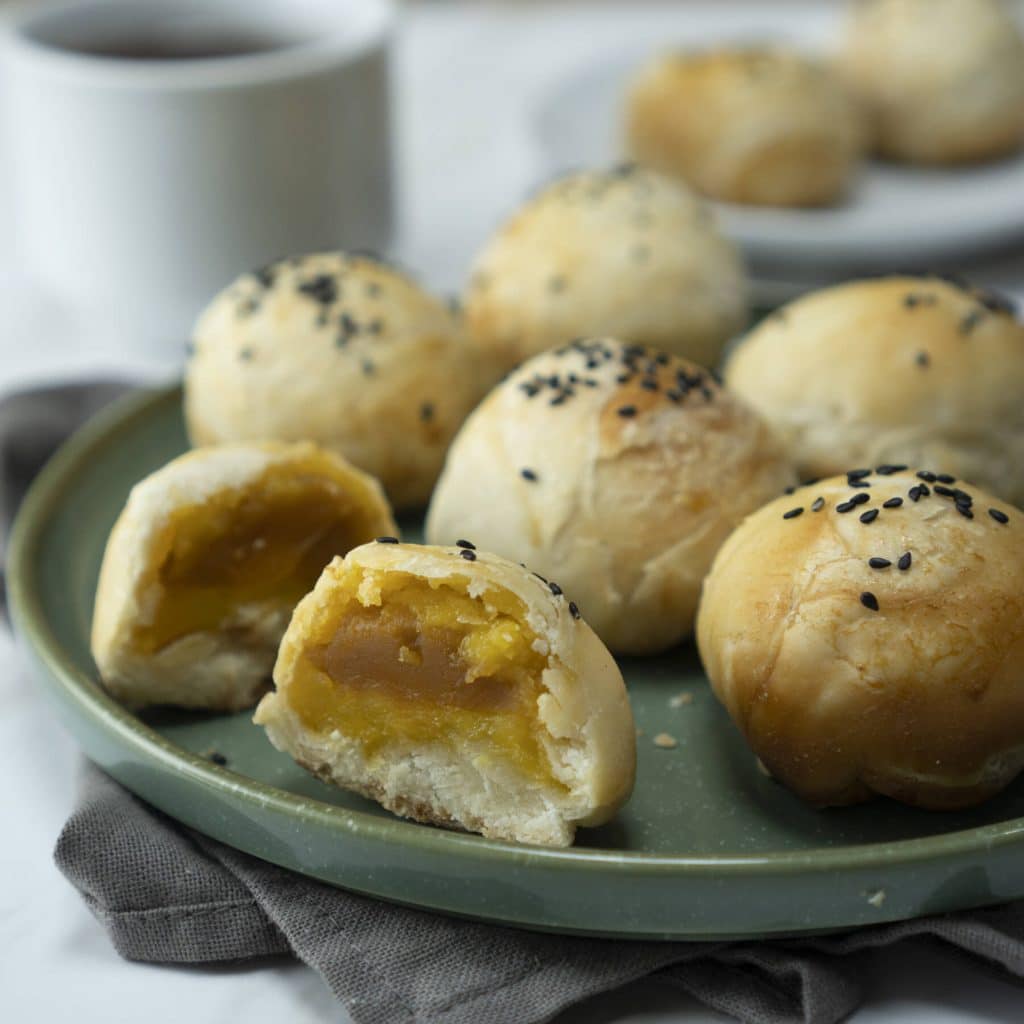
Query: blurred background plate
{"points": [[708, 847], [895, 217]]}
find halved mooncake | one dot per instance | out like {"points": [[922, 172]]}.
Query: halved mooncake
{"points": [[208, 559], [454, 687]]}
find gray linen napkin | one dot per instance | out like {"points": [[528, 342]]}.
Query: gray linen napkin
{"points": [[167, 894]]}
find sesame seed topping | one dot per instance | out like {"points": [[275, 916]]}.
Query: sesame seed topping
{"points": [[923, 360], [818, 504], [946, 492], [965, 511], [869, 600], [916, 492], [323, 289], [945, 478], [246, 355], [904, 561], [218, 758], [554, 588], [793, 513], [892, 503], [858, 474], [870, 516], [924, 474], [387, 540], [528, 474], [860, 499], [626, 411], [888, 469], [369, 368], [427, 412], [469, 556], [845, 506], [971, 321], [649, 384], [574, 610], [879, 563], [999, 517], [467, 544], [858, 483]]}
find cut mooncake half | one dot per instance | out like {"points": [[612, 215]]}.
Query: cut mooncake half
{"points": [[454, 687], [207, 561]]}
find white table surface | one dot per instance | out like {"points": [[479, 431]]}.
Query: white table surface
{"points": [[467, 77]]}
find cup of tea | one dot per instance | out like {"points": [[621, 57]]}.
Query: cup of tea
{"points": [[155, 150]]}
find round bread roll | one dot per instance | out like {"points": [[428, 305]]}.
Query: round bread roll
{"points": [[625, 252], [616, 470], [454, 687], [342, 351], [207, 560], [923, 370], [866, 634], [754, 126], [942, 80]]}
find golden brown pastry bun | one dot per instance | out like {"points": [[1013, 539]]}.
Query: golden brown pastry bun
{"points": [[625, 252], [207, 560], [342, 351], [758, 126], [942, 80], [866, 634], [899, 369], [457, 688], [616, 470]]}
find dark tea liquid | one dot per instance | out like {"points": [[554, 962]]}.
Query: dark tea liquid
{"points": [[170, 48]]}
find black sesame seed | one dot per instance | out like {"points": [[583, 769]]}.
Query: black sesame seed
{"points": [[845, 506], [818, 504], [879, 563], [793, 513], [427, 412], [858, 483], [555, 589], [965, 511], [323, 289], [892, 503], [869, 600], [962, 497], [348, 324], [387, 540], [218, 758], [858, 474], [870, 516], [467, 544], [469, 556], [945, 478], [369, 369], [925, 474], [996, 303], [888, 469], [923, 360], [999, 517], [789, 490], [649, 384], [914, 493], [971, 321], [904, 561], [674, 396], [543, 579], [626, 411], [246, 355], [574, 610], [265, 275], [528, 474], [946, 492], [860, 499]]}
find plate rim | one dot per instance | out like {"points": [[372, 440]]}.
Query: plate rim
{"points": [[32, 627]]}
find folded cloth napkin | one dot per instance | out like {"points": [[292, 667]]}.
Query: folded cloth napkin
{"points": [[167, 894]]}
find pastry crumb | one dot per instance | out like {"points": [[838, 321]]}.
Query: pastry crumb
{"points": [[665, 741], [876, 897], [680, 699]]}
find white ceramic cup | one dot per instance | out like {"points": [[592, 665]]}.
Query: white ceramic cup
{"points": [[142, 186]]}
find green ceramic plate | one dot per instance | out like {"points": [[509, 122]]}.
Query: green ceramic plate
{"points": [[707, 848]]}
